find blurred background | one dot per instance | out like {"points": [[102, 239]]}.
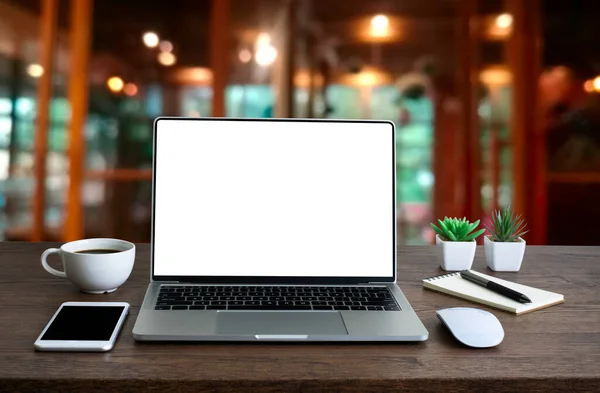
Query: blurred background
{"points": [[495, 102]]}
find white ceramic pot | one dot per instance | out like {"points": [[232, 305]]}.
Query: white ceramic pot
{"points": [[455, 256], [504, 256]]}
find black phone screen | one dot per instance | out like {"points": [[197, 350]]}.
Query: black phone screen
{"points": [[84, 323]]}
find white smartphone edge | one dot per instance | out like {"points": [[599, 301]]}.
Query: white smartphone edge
{"points": [[83, 346]]}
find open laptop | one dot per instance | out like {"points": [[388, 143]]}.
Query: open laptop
{"points": [[274, 230]]}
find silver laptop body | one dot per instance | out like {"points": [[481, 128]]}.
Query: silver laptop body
{"points": [[274, 230]]}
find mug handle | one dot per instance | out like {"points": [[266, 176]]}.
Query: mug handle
{"points": [[49, 269]]}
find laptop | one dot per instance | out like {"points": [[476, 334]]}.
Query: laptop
{"points": [[274, 230]]}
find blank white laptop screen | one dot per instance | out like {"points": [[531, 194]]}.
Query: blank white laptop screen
{"points": [[273, 198]]}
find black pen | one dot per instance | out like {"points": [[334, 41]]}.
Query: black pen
{"points": [[501, 289]]}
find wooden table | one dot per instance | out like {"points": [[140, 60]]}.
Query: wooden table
{"points": [[557, 348]]}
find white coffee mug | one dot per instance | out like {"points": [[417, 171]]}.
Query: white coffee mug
{"points": [[105, 266]]}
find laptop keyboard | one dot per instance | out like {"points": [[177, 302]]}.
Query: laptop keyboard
{"points": [[197, 297]]}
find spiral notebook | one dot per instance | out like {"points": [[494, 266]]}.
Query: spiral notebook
{"points": [[454, 284]]}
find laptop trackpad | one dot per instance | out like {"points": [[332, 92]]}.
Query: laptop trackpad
{"points": [[280, 323]]}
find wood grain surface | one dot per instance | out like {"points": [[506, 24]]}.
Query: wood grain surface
{"points": [[553, 349]]}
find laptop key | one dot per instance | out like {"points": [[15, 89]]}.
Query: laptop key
{"points": [[341, 307], [357, 308], [201, 303], [179, 303], [197, 307], [268, 307], [179, 308], [220, 307], [374, 308], [372, 304], [218, 303], [162, 307], [326, 298], [322, 308], [391, 308]]}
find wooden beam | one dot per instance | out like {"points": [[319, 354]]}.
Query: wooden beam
{"points": [[219, 53], [523, 52], [44, 95], [81, 20]]}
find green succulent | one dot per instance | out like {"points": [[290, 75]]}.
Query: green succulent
{"points": [[506, 225], [457, 229]]}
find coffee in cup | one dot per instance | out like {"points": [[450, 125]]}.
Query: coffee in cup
{"points": [[94, 265]]}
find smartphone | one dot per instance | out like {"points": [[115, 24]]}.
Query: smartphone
{"points": [[84, 327]]}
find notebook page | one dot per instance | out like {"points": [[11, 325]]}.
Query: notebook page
{"points": [[454, 284]]}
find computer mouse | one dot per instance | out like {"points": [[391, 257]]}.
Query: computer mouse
{"points": [[472, 326]]}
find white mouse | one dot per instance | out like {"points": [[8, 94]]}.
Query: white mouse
{"points": [[472, 326]]}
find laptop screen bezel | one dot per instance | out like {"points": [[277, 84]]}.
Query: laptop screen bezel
{"points": [[284, 280]]}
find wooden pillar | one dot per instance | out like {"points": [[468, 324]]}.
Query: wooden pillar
{"points": [[15, 88], [44, 95], [523, 52], [469, 98], [81, 21], [219, 53], [284, 66]]}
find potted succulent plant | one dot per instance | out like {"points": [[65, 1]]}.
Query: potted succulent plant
{"points": [[456, 244], [504, 246]]}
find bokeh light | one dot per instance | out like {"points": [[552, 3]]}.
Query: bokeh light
{"points": [[130, 89], [166, 58], [150, 39], [115, 84], [35, 70]]}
